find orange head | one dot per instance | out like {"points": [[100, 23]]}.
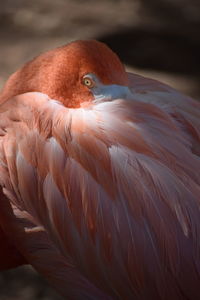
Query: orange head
{"points": [[72, 74]]}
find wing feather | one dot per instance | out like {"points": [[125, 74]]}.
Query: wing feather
{"points": [[182, 108]]}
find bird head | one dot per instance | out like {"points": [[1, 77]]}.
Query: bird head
{"points": [[77, 73]]}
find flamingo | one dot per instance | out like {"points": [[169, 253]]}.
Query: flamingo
{"points": [[100, 178]]}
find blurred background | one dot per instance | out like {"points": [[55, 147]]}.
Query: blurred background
{"points": [[155, 38]]}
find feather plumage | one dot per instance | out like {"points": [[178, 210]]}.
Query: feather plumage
{"points": [[113, 189]]}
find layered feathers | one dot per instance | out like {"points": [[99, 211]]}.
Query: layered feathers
{"points": [[106, 197]]}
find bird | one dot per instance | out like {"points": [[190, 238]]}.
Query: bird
{"points": [[100, 178]]}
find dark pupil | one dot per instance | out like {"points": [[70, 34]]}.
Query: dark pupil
{"points": [[87, 82]]}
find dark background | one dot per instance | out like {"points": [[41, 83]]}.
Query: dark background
{"points": [[156, 38]]}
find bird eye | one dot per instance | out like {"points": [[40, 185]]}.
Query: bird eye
{"points": [[88, 82]]}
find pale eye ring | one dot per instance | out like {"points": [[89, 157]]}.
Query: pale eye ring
{"points": [[87, 81]]}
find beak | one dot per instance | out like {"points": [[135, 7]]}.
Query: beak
{"points": [[110, 92]]}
